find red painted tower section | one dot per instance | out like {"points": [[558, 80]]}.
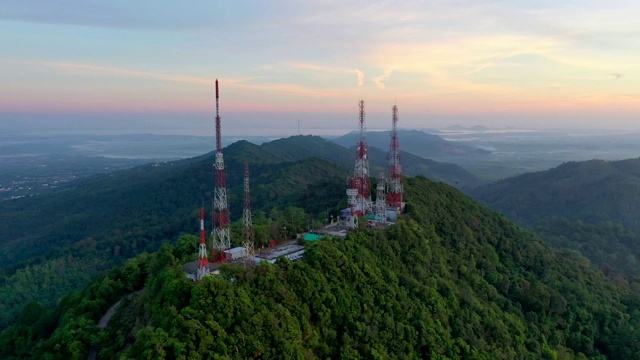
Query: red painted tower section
{"points": [[203, 262], [221, 228], [395, 189], [359, 186], [362, 168]]}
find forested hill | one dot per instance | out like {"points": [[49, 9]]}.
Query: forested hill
{"points": [[307, 146], [451, 280], [56, 243], [52, 244], [415, 142], [591, 206]]}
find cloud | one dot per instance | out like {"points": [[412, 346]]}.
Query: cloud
{"points": [[360, 77], [131, 73], [378, 79], [320, 68], [231, 83], [328, 69], [291, 90]]}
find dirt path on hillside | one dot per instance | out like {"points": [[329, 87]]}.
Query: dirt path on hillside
{"points": [[104, 321]]}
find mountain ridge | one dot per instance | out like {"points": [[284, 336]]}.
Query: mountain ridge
{"points": [[416, 142]]}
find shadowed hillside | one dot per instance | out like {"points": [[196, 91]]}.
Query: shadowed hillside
{"points": [[592, 207]]}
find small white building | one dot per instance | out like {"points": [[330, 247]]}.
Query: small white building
{"points": [[236, 253], [291, 251]]}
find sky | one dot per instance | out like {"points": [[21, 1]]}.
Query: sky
{"points": [[149, 66]]}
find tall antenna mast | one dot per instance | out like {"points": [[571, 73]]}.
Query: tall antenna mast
{"points": [[381, 201], [394, 195], [246, 220], [360, 199], [362, 167], [203, 262], [221, 231]]}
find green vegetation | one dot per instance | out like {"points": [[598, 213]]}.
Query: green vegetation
{"points": [[54, 244], [457, 164], [591, 207], [412, 165], [451, 279], [98, 222]]}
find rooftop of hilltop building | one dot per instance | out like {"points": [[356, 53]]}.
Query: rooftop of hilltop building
{"points": [[289, 249]]}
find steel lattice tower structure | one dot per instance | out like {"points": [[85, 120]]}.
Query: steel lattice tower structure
{"points": [[394, 193], [352, 217], [203, 262], [221, 228], [362, 168], [360, 182], [246, 219], [381, 201]]}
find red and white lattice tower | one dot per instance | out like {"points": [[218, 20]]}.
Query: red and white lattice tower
{"points": [[381, 201], [203, 262], [246, 220], [221, 229], [394, 182], [352, 217], [360, 182]]}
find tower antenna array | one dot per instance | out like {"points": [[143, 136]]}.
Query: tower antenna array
{"points": [[381, 201], [203, 262], [359, 186], [395, 190], [247, 221], [221, 233]]}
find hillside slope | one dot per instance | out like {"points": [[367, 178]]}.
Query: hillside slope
{"points": [[451, 280], [100, 221], [412, 165], [589, 206], [54, 244]]}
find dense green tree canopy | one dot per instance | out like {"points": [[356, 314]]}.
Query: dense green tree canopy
{"points": [[53, 244], [450, 280], [590, 207]]}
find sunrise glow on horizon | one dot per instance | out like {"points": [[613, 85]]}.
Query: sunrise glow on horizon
{"points": [[498, 63]]}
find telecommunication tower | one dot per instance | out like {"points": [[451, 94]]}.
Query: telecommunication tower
{"points": [[381, 201], [246, 220], [352, 217], [221, 230], [203, 262], [394, 193], [359, 186]]}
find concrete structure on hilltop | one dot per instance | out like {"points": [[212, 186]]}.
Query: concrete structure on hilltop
{"points": [[236, 253], [290, 250]]}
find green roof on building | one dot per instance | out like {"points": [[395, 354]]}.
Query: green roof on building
{"points": [[311, 237]]}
